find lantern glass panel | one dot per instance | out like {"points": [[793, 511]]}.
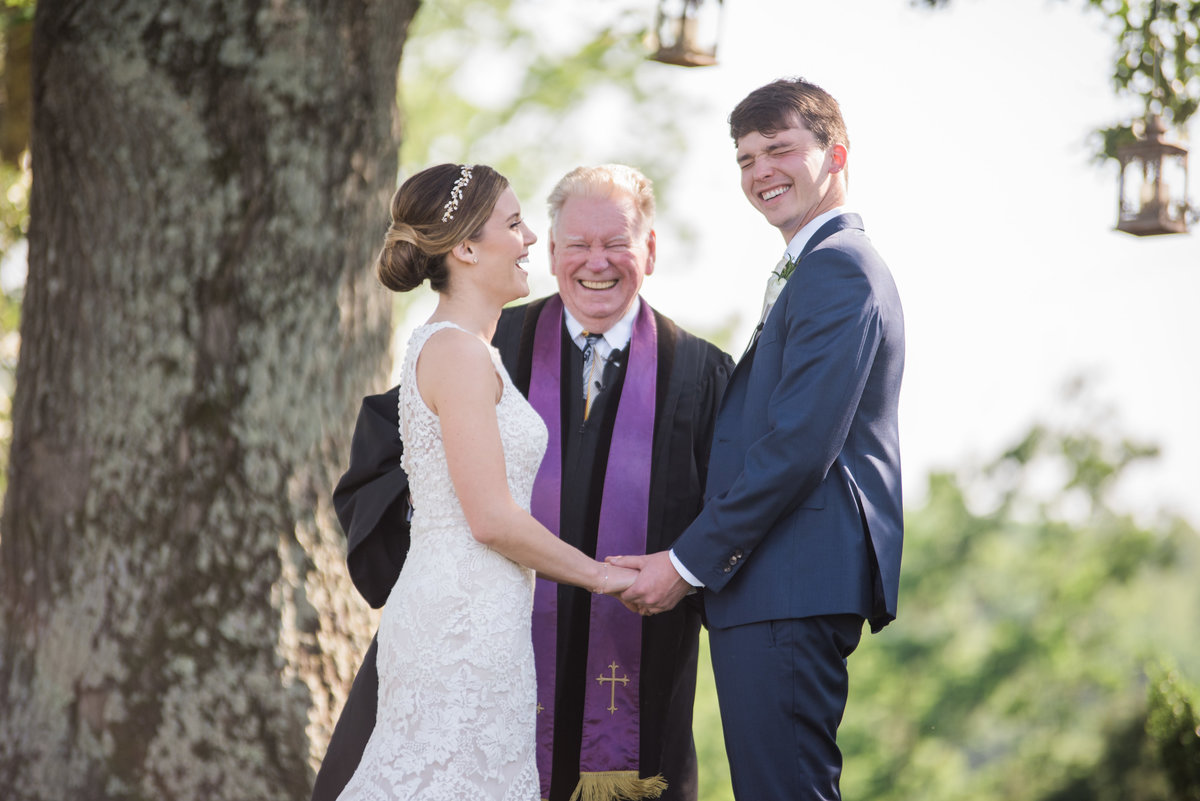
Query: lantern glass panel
{"points": [[1138, 191], [1174, 182]]}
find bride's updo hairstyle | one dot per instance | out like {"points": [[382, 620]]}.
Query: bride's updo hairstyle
{"points": [[432, 212]]}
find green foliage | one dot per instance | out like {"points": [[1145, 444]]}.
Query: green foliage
{"points": [[10, 338], [710, 740], [1111, 138], [1153, 756], [534, 89], [17, 11], [15, 182], [1157, 60], [1028, 608], [10, 322], [1158, 53], [1127, 770], [1174, 727]]}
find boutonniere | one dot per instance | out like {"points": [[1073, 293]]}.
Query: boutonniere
{"points": [[779, 277], [787, 270]]}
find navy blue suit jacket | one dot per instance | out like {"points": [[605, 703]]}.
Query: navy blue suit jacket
{"points": [[802, 513]]}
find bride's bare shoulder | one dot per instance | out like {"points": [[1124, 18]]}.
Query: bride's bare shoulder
{"points": [[454, 363]]}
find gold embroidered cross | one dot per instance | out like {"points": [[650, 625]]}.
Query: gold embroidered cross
{"points": [[612, 704], [540, 707]]}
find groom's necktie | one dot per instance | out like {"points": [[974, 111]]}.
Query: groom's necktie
{"points": [[774, 286]]}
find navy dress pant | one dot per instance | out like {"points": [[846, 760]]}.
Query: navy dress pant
{"points": [[782, 687]]}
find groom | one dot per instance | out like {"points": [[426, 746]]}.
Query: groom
{"points": [[630, 400], [800, 536]]}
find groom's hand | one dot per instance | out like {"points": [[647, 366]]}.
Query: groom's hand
{"points": [[658, 587]]}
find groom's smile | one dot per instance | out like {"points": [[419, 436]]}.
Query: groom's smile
{"points": [[773, 193]]}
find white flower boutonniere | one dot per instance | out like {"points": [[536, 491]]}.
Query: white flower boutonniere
{"points": [[779, 277]]}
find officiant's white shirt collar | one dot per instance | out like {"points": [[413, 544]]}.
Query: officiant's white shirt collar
{"points": [[796, 245], [615, 337]]}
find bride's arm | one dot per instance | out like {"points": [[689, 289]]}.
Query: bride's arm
{"points": [[456, 378]]}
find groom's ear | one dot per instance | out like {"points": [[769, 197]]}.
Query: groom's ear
{"points": [[837, 158]]}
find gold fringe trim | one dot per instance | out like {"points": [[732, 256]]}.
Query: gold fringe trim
{"points": [[617, 785]]}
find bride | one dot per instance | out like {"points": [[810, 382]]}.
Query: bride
{"points": [[457, 705]]}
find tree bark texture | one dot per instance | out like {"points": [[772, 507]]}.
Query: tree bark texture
{"points": [[201, 318]]}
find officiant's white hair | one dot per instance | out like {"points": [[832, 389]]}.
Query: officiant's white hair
{"points": [[606, 180]]}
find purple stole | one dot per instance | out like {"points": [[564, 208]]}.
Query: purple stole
{"points": [[609, 747]]}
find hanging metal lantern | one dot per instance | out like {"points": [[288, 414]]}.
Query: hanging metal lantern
{"points": [[686, 32], [1152, 195]]}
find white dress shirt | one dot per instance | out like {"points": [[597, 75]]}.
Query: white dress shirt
{"points": [[614, 338]]}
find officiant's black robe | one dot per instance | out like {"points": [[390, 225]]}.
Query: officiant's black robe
{"points": [[371, 505]]}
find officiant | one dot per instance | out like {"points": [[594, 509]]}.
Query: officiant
{"points": [[629, 399]]}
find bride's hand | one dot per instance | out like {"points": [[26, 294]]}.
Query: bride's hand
{"points": [[616, 580]]}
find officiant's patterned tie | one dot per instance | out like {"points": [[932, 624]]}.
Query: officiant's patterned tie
{"points": [[593, 370]]}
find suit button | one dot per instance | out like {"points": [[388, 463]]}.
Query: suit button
{"points": [[729, 570], [733, 560]]}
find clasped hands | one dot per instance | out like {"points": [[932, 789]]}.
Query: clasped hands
{"points": [[649, 584]]}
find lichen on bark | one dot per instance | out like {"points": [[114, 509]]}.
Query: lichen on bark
{"points": [[199, 324]]}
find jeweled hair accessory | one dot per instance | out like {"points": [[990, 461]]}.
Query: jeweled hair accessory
{"points": [[456, 192]]}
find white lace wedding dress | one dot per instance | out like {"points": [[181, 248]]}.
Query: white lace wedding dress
{"points": [[457, 689]]}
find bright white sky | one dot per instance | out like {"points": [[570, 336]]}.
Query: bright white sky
{"points": [[972, 169]]}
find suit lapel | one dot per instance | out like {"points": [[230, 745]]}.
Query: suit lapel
{"points": [[839, 223]]}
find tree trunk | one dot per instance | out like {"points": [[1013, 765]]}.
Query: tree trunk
{"points": [[200, 320]]}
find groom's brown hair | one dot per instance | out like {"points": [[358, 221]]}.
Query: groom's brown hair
{"points": [[784, 103]]}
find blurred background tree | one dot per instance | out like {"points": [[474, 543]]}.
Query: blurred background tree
{"points": [[1174, 727], [1028, 658], [1156, 63], [16, 38], [535, 89], [1024, 662], [527, 86]]}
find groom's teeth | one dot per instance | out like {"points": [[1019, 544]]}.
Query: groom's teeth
{"points": [[774, 192], [599, 284]]}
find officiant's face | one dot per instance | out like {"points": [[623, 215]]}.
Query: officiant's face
{"points": [[600, 250]]}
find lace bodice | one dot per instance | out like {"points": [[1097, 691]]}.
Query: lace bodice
{"points": [[457, 694], [522, 433]]}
